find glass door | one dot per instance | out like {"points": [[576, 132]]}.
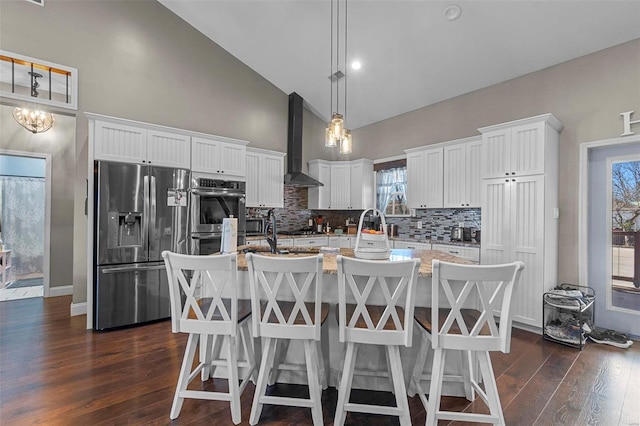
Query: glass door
{"points": [[623, 292], [611, 264]]}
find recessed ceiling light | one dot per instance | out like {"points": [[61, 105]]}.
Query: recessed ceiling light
{"points": [[356, 65], [452, 12]]}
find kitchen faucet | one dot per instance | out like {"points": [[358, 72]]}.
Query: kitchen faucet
{"points": [[270, 227]]}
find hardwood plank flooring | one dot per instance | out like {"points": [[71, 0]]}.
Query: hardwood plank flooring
{"points": [[54, 371]]}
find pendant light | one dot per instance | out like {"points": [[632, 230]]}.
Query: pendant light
{"points": [[336, 133]]}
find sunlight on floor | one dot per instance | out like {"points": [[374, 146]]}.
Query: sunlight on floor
{"points": [[20, 293]]}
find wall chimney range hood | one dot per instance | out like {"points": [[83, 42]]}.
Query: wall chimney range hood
{"points": [[294, 176]]}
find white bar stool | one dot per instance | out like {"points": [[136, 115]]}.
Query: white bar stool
{"points": [[272, 281], [390, 325], [451, 325], [196, 285]]}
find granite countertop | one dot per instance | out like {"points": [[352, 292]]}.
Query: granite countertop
{"points": [[331, 267], [408, 240]]}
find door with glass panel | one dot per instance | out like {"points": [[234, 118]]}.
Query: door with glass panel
{"points": [[613, 232]]}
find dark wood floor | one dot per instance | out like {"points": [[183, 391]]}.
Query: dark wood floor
{"points": [[54, 371]]}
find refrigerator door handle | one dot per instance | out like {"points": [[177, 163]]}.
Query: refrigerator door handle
{"points": [[132, 269], [153, 212], [145, 215]]}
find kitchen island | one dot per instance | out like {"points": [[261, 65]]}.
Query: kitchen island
{"points": [[369, 357]]}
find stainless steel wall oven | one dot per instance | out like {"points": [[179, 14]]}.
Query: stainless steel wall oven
{"points": [[213, 200]]}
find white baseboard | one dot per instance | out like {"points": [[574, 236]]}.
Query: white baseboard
{"points": [[78, 309], [64, 290], [527, 327]]}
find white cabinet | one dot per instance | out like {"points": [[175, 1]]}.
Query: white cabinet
{"points": [[340, 242], [265, 178], [257, 243], [348, 185], [127, 143], [368, 243], [361, 185], [341, 185], [411, 245], [425, 177], [519, 148], [462, 186], [469, 253], [219, 156], [519, 212], [320, 196], [319, 241], [286, 242]]}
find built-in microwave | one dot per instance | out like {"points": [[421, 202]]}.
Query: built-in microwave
{"points": [[255, 225]]}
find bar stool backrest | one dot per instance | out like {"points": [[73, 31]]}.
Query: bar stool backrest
{"points": [[286, 296], [196, 287], [486, 288], [381, 296]]}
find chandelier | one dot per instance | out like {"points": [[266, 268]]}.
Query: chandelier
{"points": [[336, 134], [35, 121]]}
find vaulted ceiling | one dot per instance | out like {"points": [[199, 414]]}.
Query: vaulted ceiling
{"points": [[412, 55]]}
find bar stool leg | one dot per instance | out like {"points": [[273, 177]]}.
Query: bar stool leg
{"points": [[185, 372], [312, 376], [234, 387], [344, 392], [435, 391], [393, 354], [263, 377]]}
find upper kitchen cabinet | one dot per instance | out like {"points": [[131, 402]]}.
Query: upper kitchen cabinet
{"points": [[425, 177], [128, 143], [462, 186], [265, 178], [320, 196], [361, 185], [519, 148], [348, 184], [219, 156]]}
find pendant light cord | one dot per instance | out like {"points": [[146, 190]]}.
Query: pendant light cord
{"points": [[346, 5], [338, 57], [331, 71]]}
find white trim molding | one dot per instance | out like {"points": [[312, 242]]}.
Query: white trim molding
{"points": [[583, 200], [63, 290], [60, 81], [78, 309]]}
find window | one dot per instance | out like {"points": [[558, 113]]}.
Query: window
{"points": [[624, 193], [391, 186]]}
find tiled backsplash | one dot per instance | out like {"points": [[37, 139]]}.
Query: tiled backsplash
{"points": [[436, 223]]}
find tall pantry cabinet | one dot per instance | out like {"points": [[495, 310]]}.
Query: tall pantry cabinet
{"points": [[520, 206]]}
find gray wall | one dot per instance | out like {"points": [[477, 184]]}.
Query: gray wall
{"points": [[59, 142], [139, 61], [586, 94]]}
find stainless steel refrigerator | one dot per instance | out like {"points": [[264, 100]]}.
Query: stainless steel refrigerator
{"points": [[140, 212]]}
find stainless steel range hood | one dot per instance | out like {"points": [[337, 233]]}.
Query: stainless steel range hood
{"points": [[294, 176]]}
